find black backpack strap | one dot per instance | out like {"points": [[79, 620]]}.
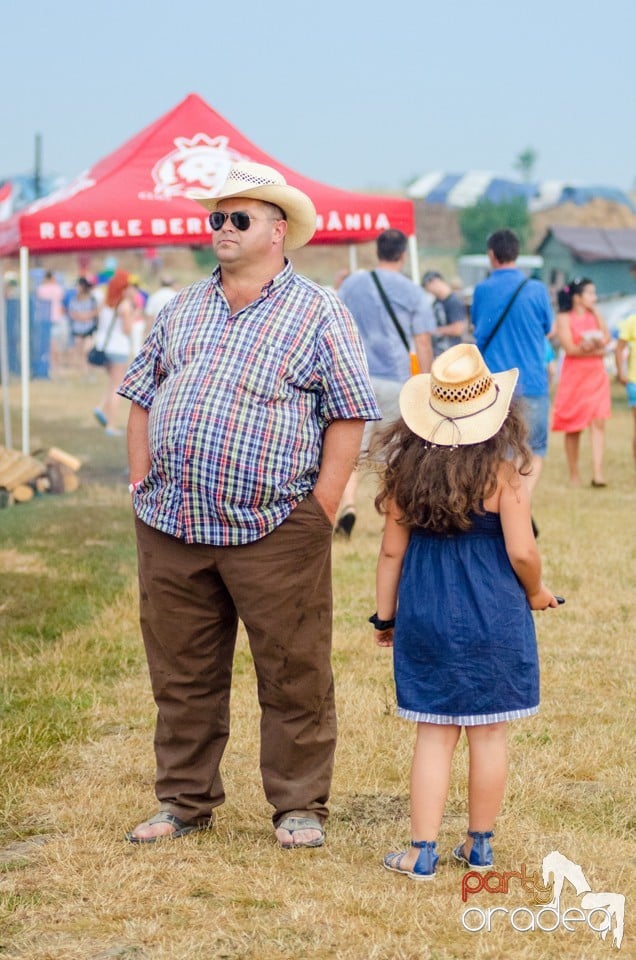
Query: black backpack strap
{"points": [[390, 310], [503, 316]]}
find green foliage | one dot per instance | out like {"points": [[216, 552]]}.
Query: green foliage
{"points": [[65, 561], [479, 221], [63, 547], [525, 163]]}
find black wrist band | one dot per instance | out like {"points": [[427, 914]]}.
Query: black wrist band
{"points": [[381, 624]]}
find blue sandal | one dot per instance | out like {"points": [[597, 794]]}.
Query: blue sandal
{"points": [[100, 417], [181, 828], [424, 866], [481, 856]]}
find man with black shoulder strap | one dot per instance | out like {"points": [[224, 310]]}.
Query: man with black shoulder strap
{"points": [[394, 317], [511, 318]]}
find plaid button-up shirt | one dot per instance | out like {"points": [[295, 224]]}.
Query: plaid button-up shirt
{"points": [[239, 405]]}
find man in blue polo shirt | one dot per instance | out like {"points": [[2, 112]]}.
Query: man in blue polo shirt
{"points": [[519, 340]]}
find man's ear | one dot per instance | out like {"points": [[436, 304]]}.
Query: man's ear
{"points": [[279, 232]]}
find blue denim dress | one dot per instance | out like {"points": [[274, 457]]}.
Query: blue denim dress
{"points": [[465, 649]]}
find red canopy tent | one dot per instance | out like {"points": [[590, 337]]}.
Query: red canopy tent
{"points": [[140, 196]]}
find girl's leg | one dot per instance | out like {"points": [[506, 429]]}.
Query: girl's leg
{"points": [[116, 373], [487, 773], [430, 777], [85, 367], [597, 437], [572, 441], [634, 436]]}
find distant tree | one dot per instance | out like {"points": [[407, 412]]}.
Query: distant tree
{"points": [[479, 221], [526, 162]]}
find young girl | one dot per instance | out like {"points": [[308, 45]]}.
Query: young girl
{"points": [[458, 576]]}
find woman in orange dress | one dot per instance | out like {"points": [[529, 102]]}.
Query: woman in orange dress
{"points": [[583, 393]]}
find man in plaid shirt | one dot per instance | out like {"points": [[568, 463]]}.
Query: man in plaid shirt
{"points": [[248, 402]]}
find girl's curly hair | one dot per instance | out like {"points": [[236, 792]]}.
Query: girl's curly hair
{"points": [[439, 487]]}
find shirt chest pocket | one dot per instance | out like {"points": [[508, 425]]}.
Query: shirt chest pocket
{"points": [[263, 374]]}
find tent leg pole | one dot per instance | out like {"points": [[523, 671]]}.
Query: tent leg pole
{"points": [[25, 358], [4, 363], [353, 258], [415, 265]]}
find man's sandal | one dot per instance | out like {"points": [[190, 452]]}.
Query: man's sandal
{"points": [[294, 825], [181, 828]]}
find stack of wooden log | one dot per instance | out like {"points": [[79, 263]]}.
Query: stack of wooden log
{"points": [[22, 476]]}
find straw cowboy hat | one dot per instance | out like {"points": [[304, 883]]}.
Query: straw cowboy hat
{"points": [[255, 181], [460, 401]]}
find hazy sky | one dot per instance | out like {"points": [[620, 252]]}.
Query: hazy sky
{"points": [[365, 95]]}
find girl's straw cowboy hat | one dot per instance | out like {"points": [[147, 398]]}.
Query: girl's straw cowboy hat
{"points": [[460, 401], [255, 181]]}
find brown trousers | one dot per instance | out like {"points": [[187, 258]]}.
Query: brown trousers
{"points": [[191, 597]]}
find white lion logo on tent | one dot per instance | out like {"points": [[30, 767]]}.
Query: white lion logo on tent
{"points": [[198, 164]]}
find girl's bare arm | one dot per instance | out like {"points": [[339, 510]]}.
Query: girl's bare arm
{"points": [[521, 546], [393, 547]]}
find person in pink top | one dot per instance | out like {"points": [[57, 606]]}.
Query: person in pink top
{"points": [[583, 393], [53, 292]]}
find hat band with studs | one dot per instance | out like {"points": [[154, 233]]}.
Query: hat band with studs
{"points": [[451, 401], [459, 394], [244, 179]]}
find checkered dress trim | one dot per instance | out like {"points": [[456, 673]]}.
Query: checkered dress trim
{"points": [[467, 720]]}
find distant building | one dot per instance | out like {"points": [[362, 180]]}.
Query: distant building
{"points": [[608, 257]]}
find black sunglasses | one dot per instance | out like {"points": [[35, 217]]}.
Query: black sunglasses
{"points": [[238, 219]]}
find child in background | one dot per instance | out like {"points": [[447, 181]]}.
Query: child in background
{"points": [[458, 576], [626, 366]]}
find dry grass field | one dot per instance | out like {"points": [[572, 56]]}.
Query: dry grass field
{"points": [[76, 722]]}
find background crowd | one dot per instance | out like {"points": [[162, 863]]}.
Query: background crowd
{"points": [[579, 354]]}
